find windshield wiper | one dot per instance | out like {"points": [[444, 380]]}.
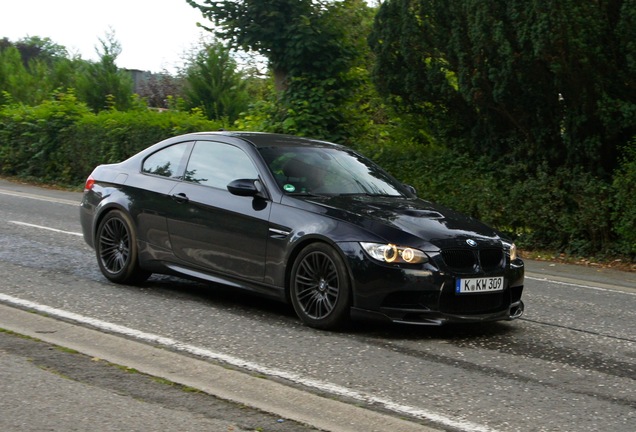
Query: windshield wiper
{"points": [[368, 194], [306, 194], [385, 195]]}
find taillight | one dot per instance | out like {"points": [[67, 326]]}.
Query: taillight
{"points": [[90, 182]]}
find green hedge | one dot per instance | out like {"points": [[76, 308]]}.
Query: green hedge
{"points": [[624, 205], [566, 209], [61, 140], [32, 136]]}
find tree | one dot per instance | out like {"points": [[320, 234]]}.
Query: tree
{"points": [[15, 81], [296, 36], [102, 85], [311, 47], [33, 68], [44, 49], [214, 83], [538, 80]]}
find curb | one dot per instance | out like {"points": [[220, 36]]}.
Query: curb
{"points": [[232, 385]]}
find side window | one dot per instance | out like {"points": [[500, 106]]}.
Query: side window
{"points": [[168, 162], [216, 164]]}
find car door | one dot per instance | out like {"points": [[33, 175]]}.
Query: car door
{"points": [[147, 192], [211, 228]]}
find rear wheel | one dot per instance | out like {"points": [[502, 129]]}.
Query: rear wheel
{"points": [[116, 249], [320, 288]]}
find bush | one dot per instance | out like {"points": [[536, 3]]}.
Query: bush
{"points": [[624, 211], [442, 175], [30, 136], [112, 136], [566, 210], [61, 140]]}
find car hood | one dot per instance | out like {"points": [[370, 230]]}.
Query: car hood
{"points": [[391, 217]]}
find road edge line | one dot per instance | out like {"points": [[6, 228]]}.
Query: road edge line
{"points": [[229, 384]]}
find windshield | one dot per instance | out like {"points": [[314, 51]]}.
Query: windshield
{"points": [[328, 171]]}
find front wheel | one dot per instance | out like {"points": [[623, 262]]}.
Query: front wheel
{"points": [[319, 287], [116, 249]]}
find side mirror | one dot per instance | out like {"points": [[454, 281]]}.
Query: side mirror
{"points": [[411, 189], [244, 187]]}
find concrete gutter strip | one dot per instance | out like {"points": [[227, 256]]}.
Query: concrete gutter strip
{"points": [[239, 387]]}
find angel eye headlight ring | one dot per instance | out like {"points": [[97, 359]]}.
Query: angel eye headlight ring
{"points": [[394, 254], [390, 253]]}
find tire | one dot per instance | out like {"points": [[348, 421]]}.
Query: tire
{"points": [[116, 249], [319, 287]]}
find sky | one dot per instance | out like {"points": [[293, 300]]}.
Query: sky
{"points": [[154, 34]]}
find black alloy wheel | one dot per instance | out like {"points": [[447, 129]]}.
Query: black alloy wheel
{"points": [[116, 249], [320, 288]]}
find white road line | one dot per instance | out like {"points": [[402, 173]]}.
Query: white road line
{"points": [[595, 288], [336, 389], [45, 228], [39, 197]]}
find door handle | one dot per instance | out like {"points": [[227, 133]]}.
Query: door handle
{"points": [[180, 198]]}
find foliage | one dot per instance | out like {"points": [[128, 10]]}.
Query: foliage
{"points": [[61, 140], [102, 85], [33, 68], [624, 186], [308, 108], [536, 80], [312, 48], [296, 36], [567, 211], [214, 83], [31, 80], [37, 48], [15, 81], [31, 136], [532, 100]]}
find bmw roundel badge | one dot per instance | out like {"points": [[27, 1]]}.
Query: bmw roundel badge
{"points": [[471, 242]]}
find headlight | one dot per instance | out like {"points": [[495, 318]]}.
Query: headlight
{"points": [[390, 253], [513, 252]]}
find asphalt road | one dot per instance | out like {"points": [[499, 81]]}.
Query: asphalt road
{"points": [[568, 365]]}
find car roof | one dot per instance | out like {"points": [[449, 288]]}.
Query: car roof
{"points": [[265, 139]]}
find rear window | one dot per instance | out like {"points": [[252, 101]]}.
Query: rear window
{"points": [[168, 162]]}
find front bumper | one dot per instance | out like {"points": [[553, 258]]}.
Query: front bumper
{"points": [[425, 294]]}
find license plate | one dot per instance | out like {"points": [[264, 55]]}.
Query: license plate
{"points": [[477, 285]]}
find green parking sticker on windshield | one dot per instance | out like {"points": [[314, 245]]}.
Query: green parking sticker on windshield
{"points": [[289, 187]]}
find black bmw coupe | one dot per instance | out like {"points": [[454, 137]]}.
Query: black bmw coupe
{"points": [[303, 221]]}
